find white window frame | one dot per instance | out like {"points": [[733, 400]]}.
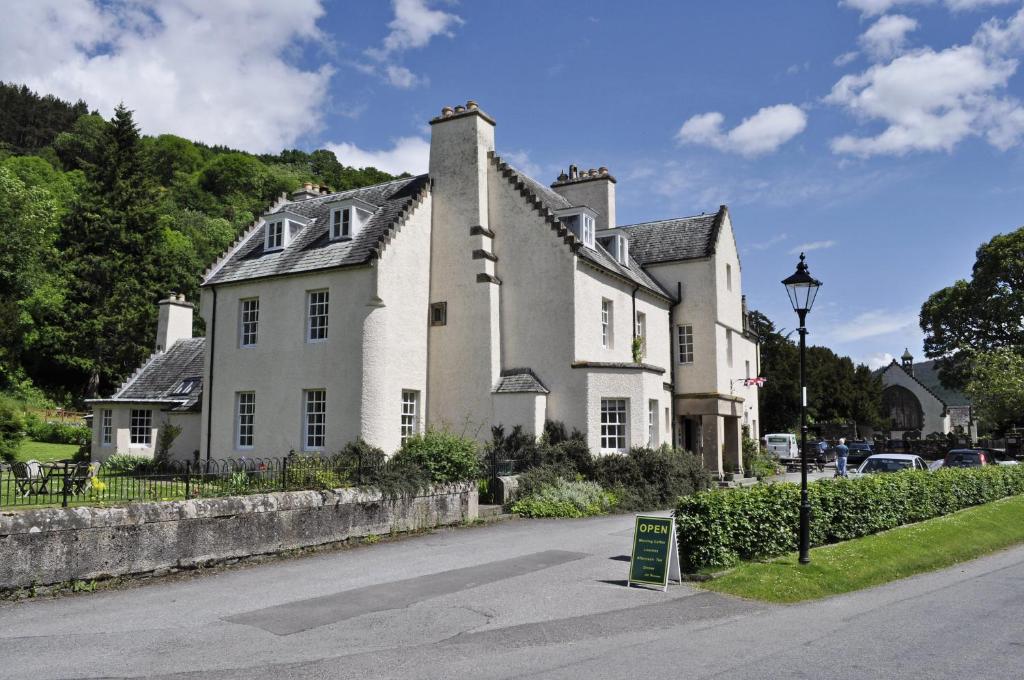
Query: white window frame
{"points": [[245, 420], [140, 427], [621, 250], [607, 316], [314, 419], [317, 315], [587, 229], [410, 424], [248, 322], [276, 230], [341, 223], [106, 427], [641, 331], [652, 423], [684, 343], [614, 425]]}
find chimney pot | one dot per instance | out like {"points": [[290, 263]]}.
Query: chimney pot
{"points": [[460, 109], [307, 186], [562, 177], [573, 172], [603, 170], [447, 111], [472, 105]]}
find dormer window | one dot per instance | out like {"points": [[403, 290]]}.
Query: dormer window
{"points": [[580, 221], [281, 227], [348, 217], [185, 386], [621, 247]]}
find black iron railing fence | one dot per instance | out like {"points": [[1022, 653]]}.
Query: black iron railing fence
{"points": [[67, 483]]}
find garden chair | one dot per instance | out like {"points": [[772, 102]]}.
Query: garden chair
{"points": [[80, 477], [28, 477]]}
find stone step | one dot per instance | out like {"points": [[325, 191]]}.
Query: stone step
{"points": [[489, 511]]}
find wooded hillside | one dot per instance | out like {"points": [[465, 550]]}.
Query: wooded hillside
{"points": [[101, 221]]}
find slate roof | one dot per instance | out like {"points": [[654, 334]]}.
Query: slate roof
{"points": [[311, 249], [547, 200], [683, 238], [926, 373], [161, 375], [519, 380]]}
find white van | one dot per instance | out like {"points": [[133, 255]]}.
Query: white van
{"points": [[782, 446]]}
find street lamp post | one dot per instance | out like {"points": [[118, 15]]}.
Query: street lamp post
{"points": [[802, 289]]}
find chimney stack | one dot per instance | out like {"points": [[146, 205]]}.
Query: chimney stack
{"points": [[175, 321], [594, 188], [308, 190]]}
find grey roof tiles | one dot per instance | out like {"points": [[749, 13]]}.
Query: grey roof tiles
{"points": [[683, 238], [159, 378], [311, 249], [519, 380]]}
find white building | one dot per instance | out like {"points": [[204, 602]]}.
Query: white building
{"points": [[468, 297], [915, 401]]}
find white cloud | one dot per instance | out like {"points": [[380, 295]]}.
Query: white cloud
{"points": [[930, 100], [813, 245], [871, 8], [887, 37], [878, 360], [872, 324], [521, 161], [194, 68], [407, 154], [414, 26], [845, 58], [765, 131], [765, 245]]}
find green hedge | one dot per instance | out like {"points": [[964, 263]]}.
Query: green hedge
{"points": [[718, 528]]}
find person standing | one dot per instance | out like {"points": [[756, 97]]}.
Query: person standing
{"points": [[822, 457], [841, 453]]}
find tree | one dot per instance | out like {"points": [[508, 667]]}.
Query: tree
{"points": [[982, 314], [996, 388]]}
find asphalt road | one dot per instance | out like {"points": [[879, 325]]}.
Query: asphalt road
{"points": [[523, 599]]}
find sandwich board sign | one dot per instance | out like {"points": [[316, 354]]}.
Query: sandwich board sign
{"points": [[655, 558]]}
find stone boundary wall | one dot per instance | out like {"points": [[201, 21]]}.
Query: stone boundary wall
{"points": [[55, 545]]}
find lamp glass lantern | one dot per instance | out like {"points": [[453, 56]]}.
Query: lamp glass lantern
{"points": [[802, 288]]}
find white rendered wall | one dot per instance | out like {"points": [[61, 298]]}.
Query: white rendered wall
{"points": [[527, 409], [174, 322], [935, 419]]}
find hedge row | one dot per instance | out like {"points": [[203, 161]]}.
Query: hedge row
{"points": [[718, 528]]}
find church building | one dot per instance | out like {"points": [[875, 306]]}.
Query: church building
{"points": [[916, 402]]}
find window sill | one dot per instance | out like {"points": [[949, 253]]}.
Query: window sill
{"points": [[316, 342]]}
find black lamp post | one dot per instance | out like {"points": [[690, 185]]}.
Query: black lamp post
{"points": [[802, 289]]}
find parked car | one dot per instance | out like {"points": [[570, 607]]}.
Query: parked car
{"points": [[975, 458], [997, 456], [891, 462], [859, 451], [783, 446]]}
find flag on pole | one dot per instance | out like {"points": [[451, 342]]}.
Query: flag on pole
{"points": [[758, 382]]}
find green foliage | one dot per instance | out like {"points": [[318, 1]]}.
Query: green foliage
{"points": [[838, 390], [31, 121], [650, 479], [164, 441], [638, 350], [443, 455], [125, 463], [12, 429], [759, 463], [58, 433], [717, 528], [982, 314], [564, 498], [533, 480], [996, 387]]}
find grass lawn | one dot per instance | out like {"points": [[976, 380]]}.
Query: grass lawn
{"points": [[880, 558], [44, 452]]}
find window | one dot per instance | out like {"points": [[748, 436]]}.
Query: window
{"points": [[641, 331], [606, 324], [588, 231], [141, 427], [341, 224], [248, 322], [728, 277], [668, 420], [106, 427], [439, 314], [410, 413], [314, 419], [316, 328], [245, 419], [185, 387], [748, 369], [580, 223], [621, 247], [613, 424], [728, 346], [685, 339], [652, 422], [275, 235]]}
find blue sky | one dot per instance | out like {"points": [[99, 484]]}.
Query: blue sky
{"points": [[884, 136]]}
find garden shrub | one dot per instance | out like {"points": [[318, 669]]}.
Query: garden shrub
{"points": [[124, 463], [12, 429], [717, 528], [565, 498], [444, 456], [649, 479], [58, 433], [535, 479]]}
